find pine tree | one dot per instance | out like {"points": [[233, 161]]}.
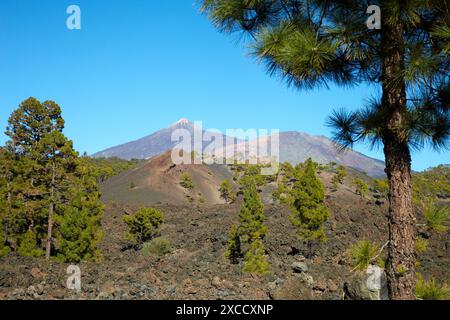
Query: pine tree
{"points": [[312, 43], [28, 246], [361, 187], [309, 212], [56, 161], [234, 245], [47, 195], [341, 174], [251, 215], [79, 233], [31, 122], [226, 191], [335, 182], [255, 258], [16, 216], [143, 225]]}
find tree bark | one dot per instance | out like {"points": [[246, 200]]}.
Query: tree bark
{"points": [[401, 263]]}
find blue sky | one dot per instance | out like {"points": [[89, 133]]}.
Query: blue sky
{"points": [[139, 65]]}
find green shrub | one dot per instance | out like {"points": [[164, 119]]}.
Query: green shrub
{"points": [[234, 245], [143, 225], [80, 234], [431, 290], [255, 258], [361, 187], [28, 245], [226, 191], [421, 245], [436, 217], [339, 177], [186, 181], [381, 186], [158, 247], [363, 253]]}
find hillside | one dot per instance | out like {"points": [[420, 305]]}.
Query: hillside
{"points": [[158, 181], [196, 267]]}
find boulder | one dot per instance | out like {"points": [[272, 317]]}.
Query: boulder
{"points": [[299, 267]]}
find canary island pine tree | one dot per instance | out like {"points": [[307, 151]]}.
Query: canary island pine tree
{"points": [[313, 43], [309, 212]]}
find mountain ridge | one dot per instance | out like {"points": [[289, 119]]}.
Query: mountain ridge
{"points": [[295, 147]]}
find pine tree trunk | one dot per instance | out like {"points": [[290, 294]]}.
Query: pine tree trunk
{"points": [[48, 248], [400, 268]]}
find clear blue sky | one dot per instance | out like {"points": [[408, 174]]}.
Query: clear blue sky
{"points": [[139, 65]]}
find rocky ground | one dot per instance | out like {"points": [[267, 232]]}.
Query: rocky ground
{"points": [[196, 267]]}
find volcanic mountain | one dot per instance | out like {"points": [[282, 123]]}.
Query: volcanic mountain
{"points": [[295, 147], [154, 144]]}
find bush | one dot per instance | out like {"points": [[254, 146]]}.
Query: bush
{"points": [[361, 187], [80, 235], [226, 191], [28, 246], [363, 253], [234, 245], [143, 225], [431, 290], [186, 181], [436, 217], [381, 186], [255, 258], [158, 247], [421, 245]]}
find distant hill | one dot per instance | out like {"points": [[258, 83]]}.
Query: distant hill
{"points": [[295, 147], [158, 181]]}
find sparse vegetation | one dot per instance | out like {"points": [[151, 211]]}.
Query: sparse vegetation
{"points": [[201, 198], [143, 225], [226, 191], [339, 177], [431, 290], [186, 181], [381, 186], [157, 247], [105, 168], [363, 254], [436, 217], [421, 245], [434, 182], [361, 187]]}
